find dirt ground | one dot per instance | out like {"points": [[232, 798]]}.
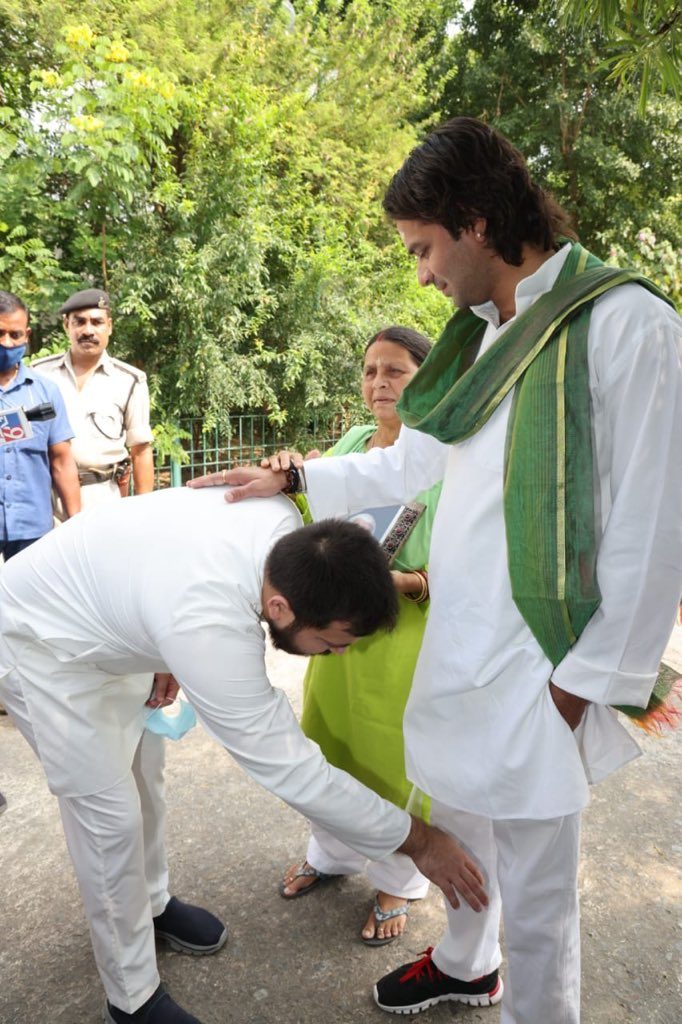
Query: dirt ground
{"points": [[302, 962]]}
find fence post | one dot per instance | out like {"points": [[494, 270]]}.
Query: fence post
{"points": [[176, 468], [175, 472]]}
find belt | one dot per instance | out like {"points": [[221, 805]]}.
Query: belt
{"points": [[118, 471], [96, 476]]}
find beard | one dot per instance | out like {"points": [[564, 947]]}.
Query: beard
{"points": [[283, 638]]}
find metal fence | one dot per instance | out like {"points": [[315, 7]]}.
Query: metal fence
{"points": [[246, 439]]}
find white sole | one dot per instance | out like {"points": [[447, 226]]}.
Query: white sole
{"points": [[186, 947], [485, 999]]}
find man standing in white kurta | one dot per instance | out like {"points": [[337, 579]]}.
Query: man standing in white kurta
{"points": [[504, 738], [168, 583]]}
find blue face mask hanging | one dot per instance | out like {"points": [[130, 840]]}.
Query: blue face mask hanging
{"points": [[173, 727], [9, 357]]}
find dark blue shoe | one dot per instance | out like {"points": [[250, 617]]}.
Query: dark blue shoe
{"points": [[189, 929], [159, 1009]]}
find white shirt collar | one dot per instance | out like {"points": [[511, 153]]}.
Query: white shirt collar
{"points": [[529, 289]]}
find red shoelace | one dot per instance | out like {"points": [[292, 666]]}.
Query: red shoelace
{"points": [[420, 967], [426, 966]]}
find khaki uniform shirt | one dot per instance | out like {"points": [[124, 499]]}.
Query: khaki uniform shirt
{"points": [[108, 415]]}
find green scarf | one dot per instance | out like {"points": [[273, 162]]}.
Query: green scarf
{"points": [[549, 474]]}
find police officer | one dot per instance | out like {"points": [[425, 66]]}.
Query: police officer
{"points": [[107, 402]]}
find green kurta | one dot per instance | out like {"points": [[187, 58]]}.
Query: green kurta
{"points": [[353, 704]]}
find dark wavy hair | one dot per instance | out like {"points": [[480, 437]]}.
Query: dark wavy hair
{"points": [[416, 344], [465, 170]]}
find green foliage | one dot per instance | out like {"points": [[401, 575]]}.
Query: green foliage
{"points": [[54, 345], [656, 259], [168, 438], [80, 157], [543, 84], [229, 197], [644, 40], [107, 120], [220, 167]]}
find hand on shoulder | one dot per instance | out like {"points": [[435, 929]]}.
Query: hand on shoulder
{"points": [[244, 482]]}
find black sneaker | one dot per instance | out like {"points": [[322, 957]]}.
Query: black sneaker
{"points": [[3, 803], [189, 929], [159, 1009], [416, 986]]}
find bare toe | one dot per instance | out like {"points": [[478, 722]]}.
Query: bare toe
{"points": [[369, 931], [392, 928], [292, 884]]}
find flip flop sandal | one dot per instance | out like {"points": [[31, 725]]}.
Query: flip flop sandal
{"points": [[319, 877], [385, 915]]}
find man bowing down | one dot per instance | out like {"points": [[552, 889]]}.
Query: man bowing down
{"points": [[174, 583]]}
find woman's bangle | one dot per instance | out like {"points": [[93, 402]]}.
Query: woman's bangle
{"points": [[421, 595]]}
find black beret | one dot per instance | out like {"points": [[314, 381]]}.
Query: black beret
{"points": [[91, 298]]}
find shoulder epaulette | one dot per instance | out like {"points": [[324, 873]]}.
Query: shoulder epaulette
{"points": [[47, 359], [139, 375]]}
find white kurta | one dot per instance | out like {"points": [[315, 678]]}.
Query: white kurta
{"points": [[482, 733], [169, 581]]}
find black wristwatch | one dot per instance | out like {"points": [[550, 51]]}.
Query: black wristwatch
{"points": [[295, 480]]}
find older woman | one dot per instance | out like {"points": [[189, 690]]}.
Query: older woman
{"points": [[353, 706]]}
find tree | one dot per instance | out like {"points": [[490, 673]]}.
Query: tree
{"points": [[238, 191], [543, 84], [220, 167], [82, 149], [644, 37]]}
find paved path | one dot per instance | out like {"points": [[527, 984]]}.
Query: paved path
{"points": [[302, 962]]}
